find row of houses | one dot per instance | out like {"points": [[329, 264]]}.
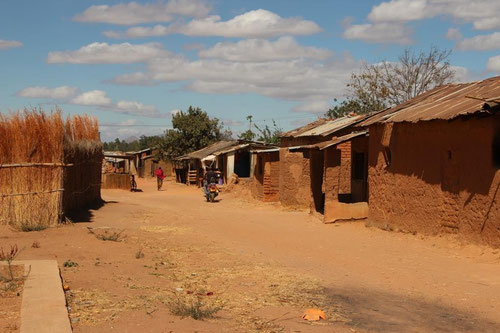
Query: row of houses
{"points": [[140, 163], [230, 157], [118, 166], [429, 165]]}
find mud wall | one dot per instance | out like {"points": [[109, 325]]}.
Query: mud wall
{"points": [[271, 176], [331, 182], [294, 179], [257, 184], [437, 177], [345, 168]]}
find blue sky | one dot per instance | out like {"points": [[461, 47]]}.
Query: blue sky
{"points": [[132, 64]]}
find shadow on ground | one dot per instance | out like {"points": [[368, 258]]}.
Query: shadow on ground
{"points": [[387, 312], [86, 215]]}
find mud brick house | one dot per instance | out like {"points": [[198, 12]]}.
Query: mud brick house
{"points": [[434, 162], [265, 182], [188, 168], [230, 157], [315, 163]]}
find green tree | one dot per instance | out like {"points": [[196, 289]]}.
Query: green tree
{"points": [[192, 130], [344, 108], [248, 135], [266, 134], [270, 135]]}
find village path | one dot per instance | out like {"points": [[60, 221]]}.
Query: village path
{"points": [[386, 281], [257, 256]]}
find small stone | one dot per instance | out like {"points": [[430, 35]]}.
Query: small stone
{"points": [[75, 320]]}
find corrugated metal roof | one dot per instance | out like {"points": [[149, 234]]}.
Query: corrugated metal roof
{"points": [[209, 150], [222, 147], [252, 145], [341, 139], [263, 151], [324, 127], [445, 102], [333, 142]]}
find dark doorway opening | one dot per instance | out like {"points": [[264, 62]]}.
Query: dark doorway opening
{"points": [[317, 169], [242, 164], [359, 178]]}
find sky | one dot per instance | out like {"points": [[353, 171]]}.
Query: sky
{"points": [[134, 64]]}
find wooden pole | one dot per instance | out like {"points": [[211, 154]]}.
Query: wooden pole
{"points": [[25, 165]]}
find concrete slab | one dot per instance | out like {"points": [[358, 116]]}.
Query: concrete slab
{"points": [[43, 308]]}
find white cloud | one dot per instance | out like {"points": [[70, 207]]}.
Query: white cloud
{"points": [[301, 80], [462, 74], [253, 24], [399, 11], [313, 106], [135, 13], [480, 43], [394, 33], [92, 98], [483, 14], [103, 53], [138, 109], [263, 50], [193, 46], [387, 20], [9, 44], [453, 34], [61, 93], [157, 30], [494, 64], [138, 78], [99, 99]]}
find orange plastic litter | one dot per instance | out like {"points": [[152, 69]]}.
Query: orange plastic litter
{"points": [[313, 315]]}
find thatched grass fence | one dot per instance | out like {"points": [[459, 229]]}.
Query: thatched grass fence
{"points": [[48, 167]]}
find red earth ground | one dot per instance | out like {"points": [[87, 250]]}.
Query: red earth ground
{"points": [[261, 266]]}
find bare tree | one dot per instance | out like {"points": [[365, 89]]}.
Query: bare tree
{"points": [[381, 85]]}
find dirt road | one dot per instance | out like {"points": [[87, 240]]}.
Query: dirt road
{"points": [[263, 265]]}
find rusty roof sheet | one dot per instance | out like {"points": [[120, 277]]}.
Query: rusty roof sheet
{"points": [[333, 142], [209, 150], [445, 102], [324, 127]]}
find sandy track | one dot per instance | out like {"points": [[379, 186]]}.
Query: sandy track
{"points": [[379, 281]]}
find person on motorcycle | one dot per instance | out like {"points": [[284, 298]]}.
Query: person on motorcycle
{"points": [[210, 178]]}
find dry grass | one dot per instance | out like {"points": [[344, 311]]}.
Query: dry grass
{"points": [[193, 306], [33, 136], [106, 234]]}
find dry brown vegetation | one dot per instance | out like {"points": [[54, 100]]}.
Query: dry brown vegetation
{"points": [[34, 146]]}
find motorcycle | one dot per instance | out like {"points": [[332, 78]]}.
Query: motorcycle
{"points": [[211, 192]]}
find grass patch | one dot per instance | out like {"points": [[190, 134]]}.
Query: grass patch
{"points": [[107, 235], [139, 254], [10, 281], [69, 263], [27, 227], [193, 307]]}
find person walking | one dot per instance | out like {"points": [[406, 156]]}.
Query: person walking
{"points": [[159, 177]]}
